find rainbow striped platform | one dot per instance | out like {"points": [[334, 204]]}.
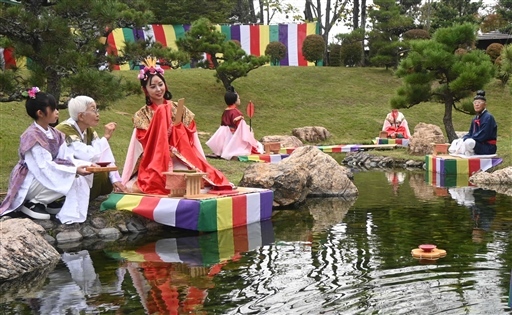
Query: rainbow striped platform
{"points": [[206, 213], [399, 142], [451, 165], [204, 249]]}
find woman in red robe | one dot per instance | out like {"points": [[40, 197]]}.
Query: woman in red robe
{"points": [[396, 126], [165, 145]]}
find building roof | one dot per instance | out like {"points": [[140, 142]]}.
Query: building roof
{"points": [[493, 35]]}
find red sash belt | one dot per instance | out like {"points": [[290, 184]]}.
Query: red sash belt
{"points": [[491, 142]]}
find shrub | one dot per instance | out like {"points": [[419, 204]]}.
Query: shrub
{"points": [[494, 51], [275, 51], [416, 34], [313, 48], [351, 53], [334, 55]]}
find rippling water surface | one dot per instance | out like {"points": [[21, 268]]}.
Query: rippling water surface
{"points": [[329, 256]]}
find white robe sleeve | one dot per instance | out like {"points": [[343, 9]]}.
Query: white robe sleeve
{"points": [[53, 176]]}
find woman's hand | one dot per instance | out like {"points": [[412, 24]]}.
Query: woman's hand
{"points": [[119, 187], [82, 170], [109, 129]]}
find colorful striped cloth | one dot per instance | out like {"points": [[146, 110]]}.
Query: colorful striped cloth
{"points": [[450, 165], [285, 152], [400, 142], [263, 158], [253, 39], [203, 215], [205, 249]]}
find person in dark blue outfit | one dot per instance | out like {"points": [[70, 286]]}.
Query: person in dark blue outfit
{"points": [[483, 132]]}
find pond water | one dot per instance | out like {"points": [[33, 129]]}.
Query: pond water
{"points": [[329, 256]]}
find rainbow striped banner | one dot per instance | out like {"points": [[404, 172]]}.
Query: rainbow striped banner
{"points": [[203, 215], [451, 165], [205, 249], [400, 142], [253, 39]]}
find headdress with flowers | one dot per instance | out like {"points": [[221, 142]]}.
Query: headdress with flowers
{"points": [[151, 67], [31, 92]]}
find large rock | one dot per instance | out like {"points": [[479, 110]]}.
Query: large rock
{"points": [[423, 137], [306, 172], [500, 177], [311, 134], [499, 181], [284, 141], [23, 248]]}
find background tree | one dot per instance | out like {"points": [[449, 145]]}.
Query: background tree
{"points": [[433, 72], [504, 9], [335, 11], [227, 58], [504, 64], [62, 40], [269, 8], [186, 11], [492, 22], [388, 25], [352, 47], [445, 13], [313, 48], [275, 51]]}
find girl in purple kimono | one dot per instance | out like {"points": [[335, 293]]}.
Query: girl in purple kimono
{"points": [[46, 170]]}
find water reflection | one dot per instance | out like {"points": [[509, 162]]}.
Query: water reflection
{"points": [[481, 204], [395, 179], [328, 256]]}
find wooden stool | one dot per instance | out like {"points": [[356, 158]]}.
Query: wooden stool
{"points": [[272, 147], [184, 184]]}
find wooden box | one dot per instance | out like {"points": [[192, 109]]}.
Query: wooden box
{"points": [[383, 135], [272, 147], [440, 148]]}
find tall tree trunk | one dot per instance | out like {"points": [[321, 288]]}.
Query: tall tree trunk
{"points": [[262, 21], [308, 11], [355, 15], [252, 11], [221, 76], [363, 27], [447, 120]]}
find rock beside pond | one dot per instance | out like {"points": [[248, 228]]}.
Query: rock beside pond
{"points": [[306, 172], [311, 133], [368, 161], [23, 248], [499, 180], [499, 177], [423, 137]]}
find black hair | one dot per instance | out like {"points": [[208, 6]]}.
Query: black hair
{"points": [[41, 101], [231, 96], [480, 95], [147, 78]]}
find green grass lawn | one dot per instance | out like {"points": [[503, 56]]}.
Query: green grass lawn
{"points": [[350, 102]]}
